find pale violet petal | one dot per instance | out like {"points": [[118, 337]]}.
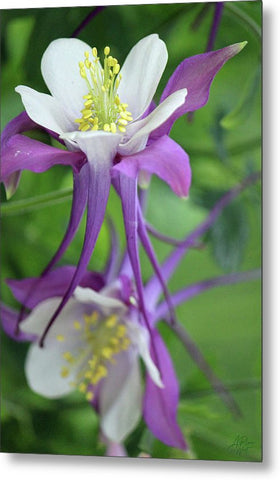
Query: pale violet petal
{"points": [[141, 73], [138, 132], [61, 72], [43, 370], [106, 303], [140, 338], [120, 398], [100, 147], [44, 110]]}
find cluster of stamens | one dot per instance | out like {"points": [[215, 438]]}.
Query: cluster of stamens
{"points": [[102, 339], [103, 109]]}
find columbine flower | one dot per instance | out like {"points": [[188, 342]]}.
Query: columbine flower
{"points": [[99, 338], [105, 113]]}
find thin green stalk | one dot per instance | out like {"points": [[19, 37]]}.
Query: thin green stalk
{"points": [[241, 15], [34, 203]]}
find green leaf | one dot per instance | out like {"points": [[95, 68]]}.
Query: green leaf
{"points": [[244, 108], [229, 235]]}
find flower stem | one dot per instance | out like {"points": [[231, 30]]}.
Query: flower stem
{"points": [[34, 203], [199, 359], [241, 15]]}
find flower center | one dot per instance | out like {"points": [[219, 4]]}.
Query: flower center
{"points": [[103, 109], [97, 340]]}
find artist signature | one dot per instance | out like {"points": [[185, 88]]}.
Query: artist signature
{"points": [[241, 445]]}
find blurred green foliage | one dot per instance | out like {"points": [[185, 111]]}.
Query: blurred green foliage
{"points": [[223, 140]]}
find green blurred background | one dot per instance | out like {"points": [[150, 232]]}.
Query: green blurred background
{"points": [[223, 140]]}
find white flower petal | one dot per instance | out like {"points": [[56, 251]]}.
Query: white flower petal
{"points": [[106, 303], [38, 319], [120, 398], [43, 370], [141, 73], [139, 131], [44, 110], [100, 147], [43, 365], [61, 72], [139, 337]]}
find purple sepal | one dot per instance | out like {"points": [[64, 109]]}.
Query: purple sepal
{"points": [[112, 264], [9, 319], [19, 124], [53, 284], [80, 192], [196, 74], [24, 153], [166, 159], [160, 404]]}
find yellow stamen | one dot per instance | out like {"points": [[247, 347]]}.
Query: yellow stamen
{"points": [[64, 372], [60, 338], [102, 100]]}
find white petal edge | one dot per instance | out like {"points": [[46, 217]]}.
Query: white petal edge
{"points": [[38, 319], [107, 304], [121, 404], [44, 110], [141, 73], [140, 338], [139, 131], [61, 72], [42, 370]]}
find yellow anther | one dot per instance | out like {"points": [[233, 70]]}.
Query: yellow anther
{"points": [[91, 319], [116, 69], [88, 103], [95, 127], [77, 325], [68, 357], [121, 331], [93, 361], [90, 396], [64, 372], [60, 338], [106, 127], [111, 321], [122, 121], [117, 100], [82, 388], [94, 51], [87, 63], [125, 343], [114, 341], [113, 127], [81, 64], [106, 51], [102, 371], [122, 129], [86, 111], [107, 352], [84, 128], [87, 54]]}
